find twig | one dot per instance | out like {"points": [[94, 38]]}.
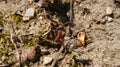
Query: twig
{"points": [[71, 11], [56, 57], [58, 54], [46, 32]]}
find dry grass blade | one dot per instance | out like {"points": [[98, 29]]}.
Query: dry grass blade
{"points": [[48, 28], [11, 37], [71, 10]]}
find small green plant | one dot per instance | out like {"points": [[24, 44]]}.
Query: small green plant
{"points": [[15, 18], [6, 49], [2, 19]]}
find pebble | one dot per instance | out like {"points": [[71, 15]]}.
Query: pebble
{"points": [[30, 53], [47, 60], [109, 10], [4, 58], [41, 18], [44, 51], [110, 19], [1, 28], [30, 13]]}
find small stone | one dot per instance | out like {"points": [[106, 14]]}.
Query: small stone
{"points": [[47, 60], [1, 28], [60, 57], [29, 14], [32, 54], [4, 58], [109, 10], [110, 19], [26, 18], [44, 51], [41, 18]]}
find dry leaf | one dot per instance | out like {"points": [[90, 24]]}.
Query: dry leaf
{"points": [[81, 37], [59, 34]]}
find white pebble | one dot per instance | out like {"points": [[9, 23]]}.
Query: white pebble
{"points": [[110, 19], [29, 14], [47, 60], [4, 58], [109, 10], [41, 18]]}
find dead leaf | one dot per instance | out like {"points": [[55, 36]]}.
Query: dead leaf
{"points": [[59, 34], [81, 37]]}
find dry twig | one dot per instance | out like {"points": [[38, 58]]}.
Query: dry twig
{"points": [[58, 54], [71, 10]]}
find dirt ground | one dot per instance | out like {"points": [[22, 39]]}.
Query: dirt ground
{"points": [[91, 16]]}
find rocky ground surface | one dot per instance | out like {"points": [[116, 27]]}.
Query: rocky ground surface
{"points": [[33, 32]]}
